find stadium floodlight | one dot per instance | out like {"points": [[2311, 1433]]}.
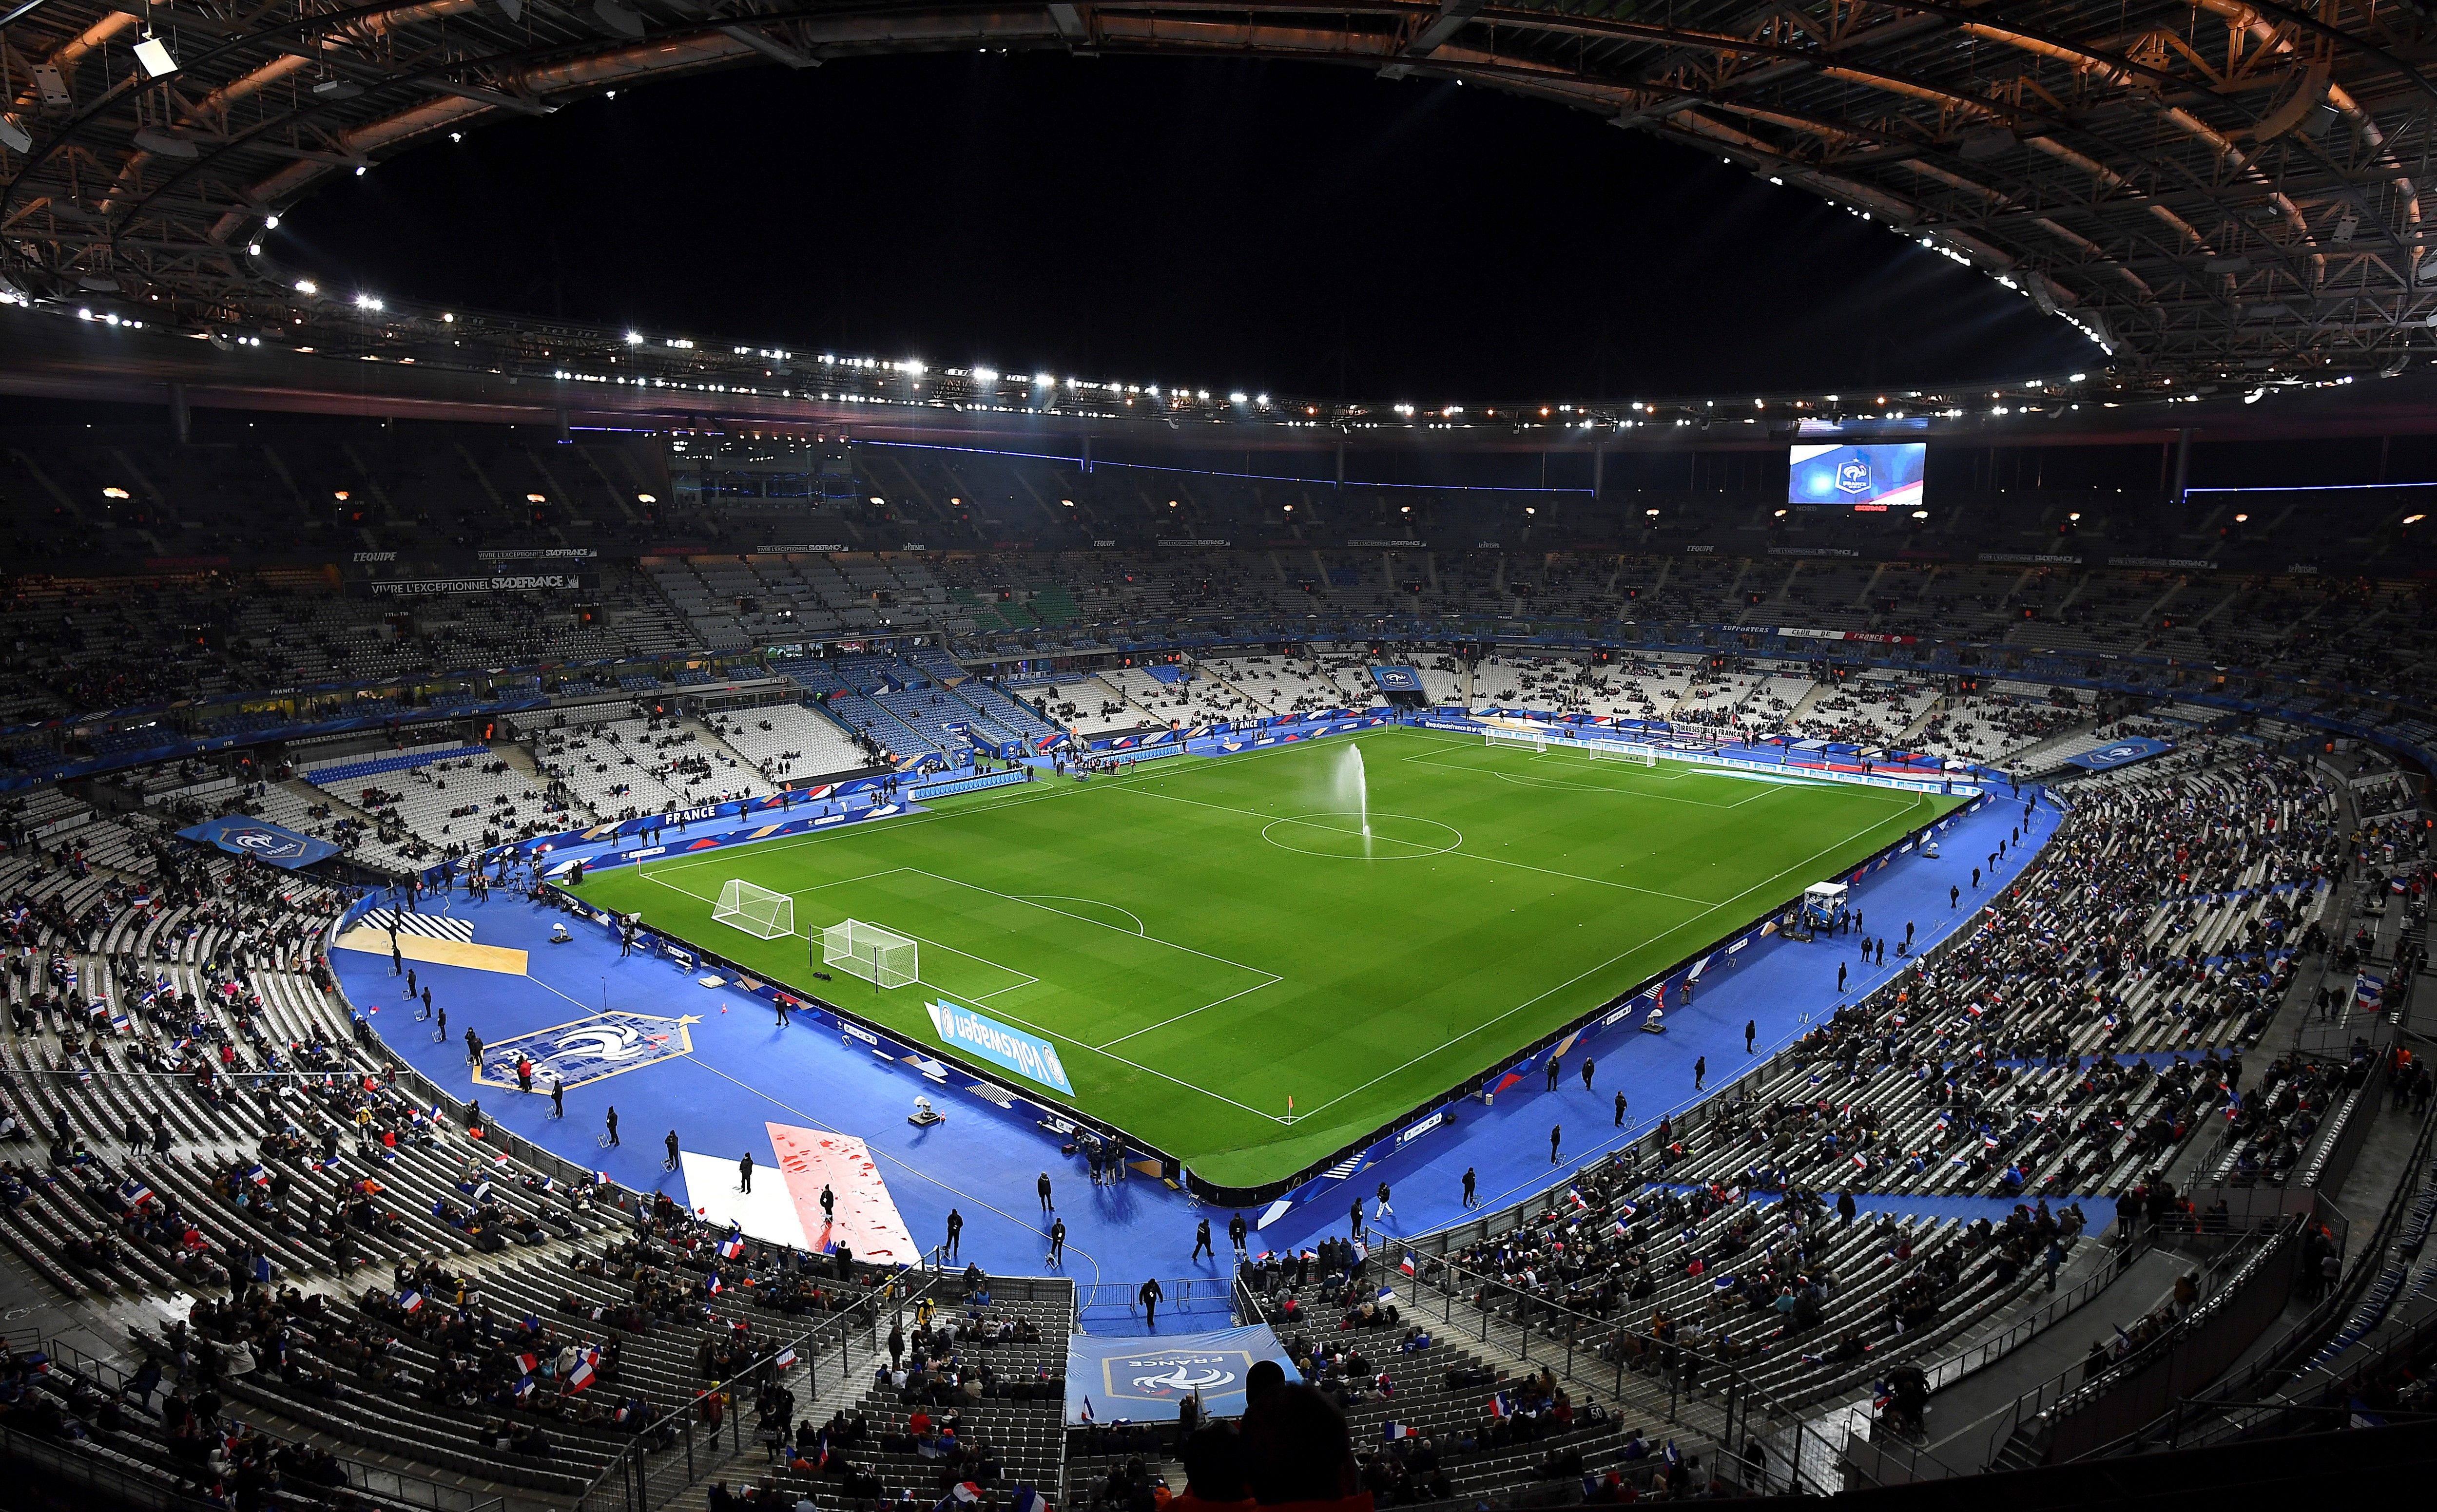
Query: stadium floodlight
{"points": [[879, 956], [156, 58], [756, 910]]}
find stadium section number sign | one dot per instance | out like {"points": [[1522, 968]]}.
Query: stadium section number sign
{"points": [[1027, 1055]]}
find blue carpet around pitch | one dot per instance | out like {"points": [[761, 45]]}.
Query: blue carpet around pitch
{"points": [[743, 1070]]}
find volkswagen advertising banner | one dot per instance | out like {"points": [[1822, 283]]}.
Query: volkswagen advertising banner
{"points": [[241, 836], [1143, 1378], [986, 1038]]}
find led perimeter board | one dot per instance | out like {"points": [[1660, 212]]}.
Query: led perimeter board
{"points": [[1862, 478]]}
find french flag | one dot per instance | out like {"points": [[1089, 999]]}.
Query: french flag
{"points": [[784, 1359], [1393, 1431], [734, 1247], [528, 1363], [410, 1301], [1500, 1407], [136, 1194], [715, 1285], [581, 1376], [1406, 1267]]}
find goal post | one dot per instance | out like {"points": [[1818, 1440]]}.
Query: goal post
{"points": [[756, 910], [878, 956], [1633, 750], [1502, 735]]}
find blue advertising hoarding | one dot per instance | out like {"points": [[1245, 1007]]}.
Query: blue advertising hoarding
{"points": [[986, 1038], [1144, 1380]]}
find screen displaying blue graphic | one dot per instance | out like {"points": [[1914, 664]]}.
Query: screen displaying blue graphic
{"points": [[1863, 478], [261, 839]]}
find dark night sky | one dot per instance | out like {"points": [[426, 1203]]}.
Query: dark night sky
{"points": [[1309, 230]]}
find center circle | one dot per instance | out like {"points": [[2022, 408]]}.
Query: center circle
{"points": [[1339, 834]]}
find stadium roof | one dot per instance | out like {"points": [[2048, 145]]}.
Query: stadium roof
{"points": [[2215, 192]]}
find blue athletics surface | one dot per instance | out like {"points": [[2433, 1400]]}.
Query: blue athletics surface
{"points": [[736, 1069]]}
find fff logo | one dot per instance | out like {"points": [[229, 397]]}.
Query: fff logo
{"points": [[1853, 476]]}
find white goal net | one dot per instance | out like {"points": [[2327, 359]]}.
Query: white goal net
{"points": [[868, 951], [1500, 735], [1621, 750], [756, 910]]}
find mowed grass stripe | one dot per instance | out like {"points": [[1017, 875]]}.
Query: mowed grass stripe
{"points": [[1198, 961]]}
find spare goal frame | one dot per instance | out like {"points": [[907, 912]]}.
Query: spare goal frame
{"points": [[756, 910], [881, 957]]}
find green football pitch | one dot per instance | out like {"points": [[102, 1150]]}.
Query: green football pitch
{"points": [[1209, 937]]}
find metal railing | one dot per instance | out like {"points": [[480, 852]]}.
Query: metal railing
{"points": [[677, 1448], [1989, 1351], [1709, 1397], [371, 1481]]}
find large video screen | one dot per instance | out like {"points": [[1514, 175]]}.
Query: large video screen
{"points": [[1861, 478]]}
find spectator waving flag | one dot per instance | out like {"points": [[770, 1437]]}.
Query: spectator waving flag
{"points": [[600, 1178], [2370, 993], [581, 1376], [409, 1302], [733, 1247], [1086, 1413], [1393, 1431], [1027, 1499], [714, 1285], [784, 1359], [528, 1363], [136, 1194], [1407, 1265], [1500, 1406], [962, 1494], [525, 1388]]}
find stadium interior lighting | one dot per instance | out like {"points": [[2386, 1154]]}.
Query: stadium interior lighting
{"points": [[647, 499], [536, 498], [115, 492], [2074, 515], [2240, 519], [154, 54], [1653, 514], [306, 286], [1918, 515], [634, 339], [877, 500], [2413, 519], [365, 302]]}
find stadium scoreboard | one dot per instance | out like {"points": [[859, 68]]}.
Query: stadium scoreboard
{"points": [[1873, 478]]}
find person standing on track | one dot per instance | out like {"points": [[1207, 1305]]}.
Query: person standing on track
{"points": [[1557, 1135], [744, 1173], [1058, 1241], [1202, 1245], [955, 1231], [672, 1142], [1354, 1216], [1150, 1296], [1700, 1070], [1556, 1069], [613, 1125], [1043, 1184], [1586, 1073], [1620, 1110], [1469, 1180], [1751, 1032], [557, 1097], [1235, 1231]]}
